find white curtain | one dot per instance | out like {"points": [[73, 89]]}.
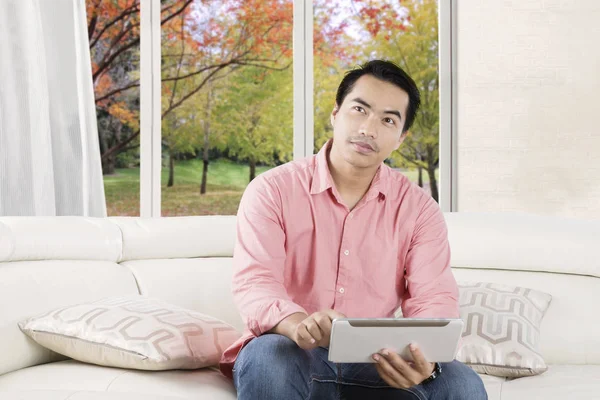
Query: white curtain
{"points": [[49, 152]]}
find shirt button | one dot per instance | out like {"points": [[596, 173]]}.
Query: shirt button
{"points": [[351, 215], [346, 252], [342, 290]]}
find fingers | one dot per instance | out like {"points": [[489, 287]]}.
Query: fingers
{"points": [[401, 366], [314, 331], [324, 323], [393, 368], [387, 379], [420, 363], [332, 314], [313, 328], [319, 326], [389, 374], [303, 337]]}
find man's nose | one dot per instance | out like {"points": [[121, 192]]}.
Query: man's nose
{"points": [[369, 127]]}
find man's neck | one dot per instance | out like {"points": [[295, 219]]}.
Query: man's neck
{"points": [[348, 179]]}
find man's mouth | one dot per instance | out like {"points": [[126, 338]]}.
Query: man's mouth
{"points": [[363, 147]]}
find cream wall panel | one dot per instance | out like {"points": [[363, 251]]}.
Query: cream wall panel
{"points": [[528, 88]]}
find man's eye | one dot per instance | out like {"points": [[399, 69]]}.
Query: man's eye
{"points": [[389, 121], [359, 108]]}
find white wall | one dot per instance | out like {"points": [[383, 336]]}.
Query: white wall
{"points": [[528, 87]]}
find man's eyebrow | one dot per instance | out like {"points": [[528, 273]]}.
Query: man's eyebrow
{"points": [[364, 103]]}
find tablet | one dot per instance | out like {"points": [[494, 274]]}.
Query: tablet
{"points": [[355, 340]]}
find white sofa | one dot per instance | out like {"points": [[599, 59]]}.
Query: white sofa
{"points": [[50, 262]]}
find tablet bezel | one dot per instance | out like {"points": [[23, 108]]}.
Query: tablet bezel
{"points": [[396, 322], [435, 349]]}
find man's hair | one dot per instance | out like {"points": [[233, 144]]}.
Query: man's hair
{"points": [[389, 72]]}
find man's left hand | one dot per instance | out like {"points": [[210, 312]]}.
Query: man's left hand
{"points": [[401, 374]]}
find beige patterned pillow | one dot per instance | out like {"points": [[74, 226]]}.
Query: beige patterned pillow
{"points": [[134, 332], [502, 329]]}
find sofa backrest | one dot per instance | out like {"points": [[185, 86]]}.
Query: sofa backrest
{"points": [[185, 261], [47, 263], [57, 261], [554, 255], [549, 254]]}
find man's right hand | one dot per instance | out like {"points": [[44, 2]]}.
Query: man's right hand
{"points": [[315, 330], [309, 332]]}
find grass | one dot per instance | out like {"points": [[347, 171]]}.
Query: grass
{"points": [[226, 183]]}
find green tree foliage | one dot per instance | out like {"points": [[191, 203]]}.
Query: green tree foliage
{"points": [[255, 115], [407, 33]]}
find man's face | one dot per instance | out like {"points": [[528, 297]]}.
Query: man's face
{"points": [[367, 126]]}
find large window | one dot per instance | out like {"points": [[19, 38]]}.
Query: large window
{"points": [[227, 95], [227, 111], [350, 33], [114, 34]]}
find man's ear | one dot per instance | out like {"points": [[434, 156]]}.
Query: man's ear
{"points": [[401, 139], [336, 109]]}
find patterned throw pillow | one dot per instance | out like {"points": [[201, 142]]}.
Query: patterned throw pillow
{"points": [[502, 329], [134, 332]]}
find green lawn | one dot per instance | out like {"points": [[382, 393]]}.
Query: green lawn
{"points": [[226, 183]]}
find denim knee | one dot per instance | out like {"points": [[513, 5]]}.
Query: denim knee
{"points": [[272, 366], [462, 383]]}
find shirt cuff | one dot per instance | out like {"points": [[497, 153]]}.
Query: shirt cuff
{"points": [[273, 313]]}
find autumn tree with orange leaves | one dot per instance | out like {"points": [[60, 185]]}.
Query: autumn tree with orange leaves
{"points": [[205, 40]]}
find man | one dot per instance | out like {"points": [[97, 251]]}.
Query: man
{"points": [[341, 234]]}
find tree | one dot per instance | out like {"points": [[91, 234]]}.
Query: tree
{"points": [[408, 35], [113, 32], [260, 30], [181, 132], [218, 37], [255, 114], [326, 80], [335, 53]]}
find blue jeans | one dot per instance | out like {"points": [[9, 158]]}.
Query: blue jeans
{"points": [[274, 367]]}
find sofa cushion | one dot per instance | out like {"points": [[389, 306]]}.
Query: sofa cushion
{"points": [[176, 237], [28, 288], [502, 329], [201, 284], [524, 242], [133, 332], [116, 384], [493, 386], [558, 382], [57, 381], [78, 395], [59, 238]]}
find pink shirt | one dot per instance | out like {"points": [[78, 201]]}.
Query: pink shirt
{"points": [[300, 249]]}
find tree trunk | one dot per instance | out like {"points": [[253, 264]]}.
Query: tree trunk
{"points": [[108, 166], [171, 170], [252, 170], [206, 144], [204, 176], [116, 149], [420, 176], [433, 182]]}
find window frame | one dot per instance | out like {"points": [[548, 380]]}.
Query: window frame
{"points": [[448, 99], [303, 137]]}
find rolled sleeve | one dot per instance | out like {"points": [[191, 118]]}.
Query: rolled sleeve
{"points": [[432, 291], [259, 260]]}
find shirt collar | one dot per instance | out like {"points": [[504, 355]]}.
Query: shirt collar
{"points": [[322, 177]]}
